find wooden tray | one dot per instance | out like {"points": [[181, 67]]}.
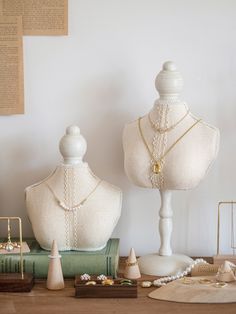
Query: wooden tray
{"points": [[100, 291], [11, 282]]}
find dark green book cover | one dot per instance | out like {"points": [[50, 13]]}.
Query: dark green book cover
{"points": [[104, 261]]}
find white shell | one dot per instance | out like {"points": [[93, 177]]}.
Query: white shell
{"points": [[146, 284]]}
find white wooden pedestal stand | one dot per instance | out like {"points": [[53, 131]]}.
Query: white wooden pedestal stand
{"points": [[165, 263], [169, 84]]}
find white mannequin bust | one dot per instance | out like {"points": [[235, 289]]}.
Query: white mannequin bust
{"points": [[54, 204], [187, 163], [168, 149]]}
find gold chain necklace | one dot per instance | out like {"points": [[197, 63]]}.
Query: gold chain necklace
{"points": [[160, 130], [74, 207], [156, 168]]}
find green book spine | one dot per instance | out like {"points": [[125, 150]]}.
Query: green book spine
{"points": [[36, 261]]}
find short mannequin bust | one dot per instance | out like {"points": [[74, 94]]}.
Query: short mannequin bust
{"points": [[188, 161], [72, 205]]}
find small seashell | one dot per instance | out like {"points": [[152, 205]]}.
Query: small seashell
{"points": [[146, 284]]}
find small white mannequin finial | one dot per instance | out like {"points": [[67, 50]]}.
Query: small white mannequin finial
{"points": [[169, 66], [169, 82], [73, 145]]}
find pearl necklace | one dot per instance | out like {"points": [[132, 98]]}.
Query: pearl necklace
{"points": [[160, 130], [163, 281], [74, 207]]}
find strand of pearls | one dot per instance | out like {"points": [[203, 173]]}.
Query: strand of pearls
{"points": [[163, 281]]}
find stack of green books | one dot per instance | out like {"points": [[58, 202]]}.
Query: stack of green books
{"points": [[104, 261]]}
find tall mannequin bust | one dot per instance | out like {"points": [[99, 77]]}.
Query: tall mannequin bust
{"points": [[168, 149], [73, 206], [188, 161]]}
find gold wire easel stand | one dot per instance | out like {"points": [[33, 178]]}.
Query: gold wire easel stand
{"points": [[20, 231], [218, 224], [15, 282]]}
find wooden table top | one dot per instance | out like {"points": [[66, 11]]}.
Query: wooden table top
{"points": [[40, 301]]}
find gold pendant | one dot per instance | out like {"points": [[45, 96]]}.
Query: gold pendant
{"points": [[156, 168]]}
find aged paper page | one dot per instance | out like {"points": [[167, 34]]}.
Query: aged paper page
{"points": [[40, 17], [11, 66]]}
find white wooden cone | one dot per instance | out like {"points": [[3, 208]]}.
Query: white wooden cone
{"points": [[132, 269], [226, 272], [55, 280]]}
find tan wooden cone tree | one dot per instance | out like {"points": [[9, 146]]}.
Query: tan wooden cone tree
{"points": [[132, 269], [55, 280]]}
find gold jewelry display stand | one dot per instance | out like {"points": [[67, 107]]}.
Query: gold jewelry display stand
{"points": [[16, 282], [219, 258]]}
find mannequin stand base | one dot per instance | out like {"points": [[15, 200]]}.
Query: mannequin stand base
{"points": [[156, 265], [12, 282]]}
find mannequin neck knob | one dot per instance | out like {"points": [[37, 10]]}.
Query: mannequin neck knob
{"points": [[169, 82], [73, 146]]}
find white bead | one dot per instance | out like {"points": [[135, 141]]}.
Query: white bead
{"points": [[156, 282]]}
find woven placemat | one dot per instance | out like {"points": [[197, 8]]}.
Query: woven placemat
{"points": [[195, 292]]}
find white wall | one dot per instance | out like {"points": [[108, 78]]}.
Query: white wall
{"points": [[102, 76]]}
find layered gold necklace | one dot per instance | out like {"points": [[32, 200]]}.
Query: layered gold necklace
{"points": [[156, 167]]}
